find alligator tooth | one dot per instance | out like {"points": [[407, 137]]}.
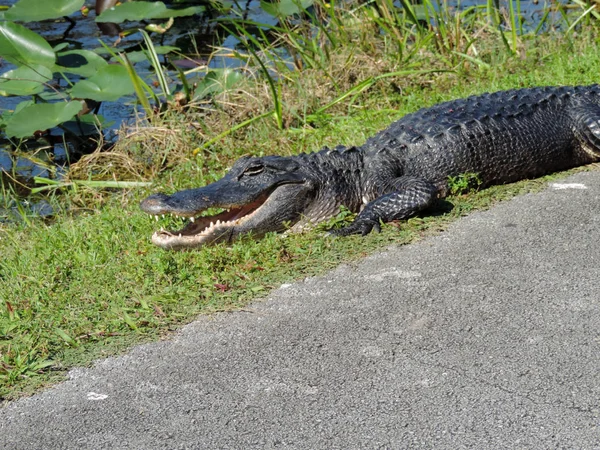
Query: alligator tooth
{"points": [[192, 219], [218, 222], [162, 215], [179, 234], [211, 225], [156, 218]]}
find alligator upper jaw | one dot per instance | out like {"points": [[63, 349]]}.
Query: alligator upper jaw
{"points": [[203, 230]]}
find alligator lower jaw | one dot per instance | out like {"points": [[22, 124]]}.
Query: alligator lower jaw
{"points": [[205, 230], [179, 240]]}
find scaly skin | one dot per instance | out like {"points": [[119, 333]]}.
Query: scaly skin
{"points": [[502, 137]]}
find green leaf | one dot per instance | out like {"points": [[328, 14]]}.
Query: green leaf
{"points": [[21, 46], [139, 86], [64, 336], [284, 8], [109, 84], [158, 69], [60, 47], [51, 96], [39, 365], [80, 62], [217, 81], [34, 10], [24, 80], [144, 11], [41, 116], [129, 321], [22, 105]]}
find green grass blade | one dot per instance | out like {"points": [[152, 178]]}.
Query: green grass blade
{"points": [[476, 61], [274, 90], [153, 58], [184, 83], [513, 26], [580, 18], [542, 22], [407, 7], [138, 85], [584, 5], [65, 337]]}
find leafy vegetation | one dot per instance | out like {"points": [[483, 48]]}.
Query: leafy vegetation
{"points": [[89, 283], [464, 183], [86, 74]]}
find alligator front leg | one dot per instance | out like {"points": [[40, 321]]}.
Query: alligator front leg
{"points": [[408, 196]]}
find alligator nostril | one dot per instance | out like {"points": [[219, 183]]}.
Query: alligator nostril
{"points": [[153, 203]]}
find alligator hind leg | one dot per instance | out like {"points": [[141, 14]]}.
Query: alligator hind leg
{"points": [[405, 197]]}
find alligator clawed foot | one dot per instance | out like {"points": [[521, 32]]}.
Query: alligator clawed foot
{"points": [[363, 228]]}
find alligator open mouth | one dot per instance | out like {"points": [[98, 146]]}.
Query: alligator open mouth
{"points": [[202, 230]]}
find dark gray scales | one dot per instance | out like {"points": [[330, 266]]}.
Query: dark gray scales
{"points": [[502, 137]]}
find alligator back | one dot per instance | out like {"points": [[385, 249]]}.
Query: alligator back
{"points": [[503, 136]]}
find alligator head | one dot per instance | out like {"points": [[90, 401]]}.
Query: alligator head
{"points": [[258, 195]]}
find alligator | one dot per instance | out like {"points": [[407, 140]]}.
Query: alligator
{"points": [[502, 137]]}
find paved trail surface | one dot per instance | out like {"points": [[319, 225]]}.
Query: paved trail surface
{"points": [[486, 336]]}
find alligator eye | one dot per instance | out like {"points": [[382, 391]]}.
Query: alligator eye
{"points": [[254, 170]]}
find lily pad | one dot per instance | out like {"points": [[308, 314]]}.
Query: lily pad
{"points": [[34, 10], [80, 62], [217, 81], [50, 96], [109, 84], [285, 8], [21, 46], [40, 116], [23, 104], [137, 11], [24, 80]]}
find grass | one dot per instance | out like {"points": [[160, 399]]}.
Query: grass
{"points": [[90, 283]]}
